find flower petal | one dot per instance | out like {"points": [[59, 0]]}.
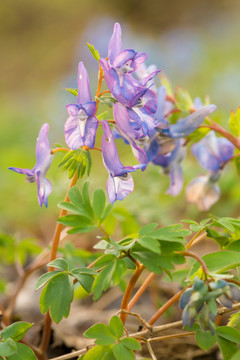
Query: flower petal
{"points": [[90, 132], [27, 172], [118, 187], [44, 189], [161, 97], [110, 154], [84, 94], [73, 109], [43, 150], [73, 136], [176, 181], [202, 192], [115, 43], [123, 57], [186, 126], [90, 108]]}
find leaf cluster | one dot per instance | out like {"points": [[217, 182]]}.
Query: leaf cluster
{"points": [[77, 161], [10, 348], [109, 341]]}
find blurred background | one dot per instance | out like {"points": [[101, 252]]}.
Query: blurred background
{"points": [[196, 43]]}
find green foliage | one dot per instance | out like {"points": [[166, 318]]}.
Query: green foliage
{"points": [[235, 321], [57, 296], [228, 348], [13, 249], [89, 213], [10, 348], [108, 339], [72, 91], [205, 339], [15, 331], [23, 353], [94, 52], [77, 161], [234, 122], [218, 262], [107, 100], [229, 333]]}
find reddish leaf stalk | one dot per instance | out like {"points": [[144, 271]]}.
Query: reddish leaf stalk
{"points": [[128, 292], [165, 307]]}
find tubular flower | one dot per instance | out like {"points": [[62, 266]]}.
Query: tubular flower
{"points": [[120, 182], [166, 147], [213, 151], [118, 69], [44, 160], [82, 124], [203, 191], [130, 129]]}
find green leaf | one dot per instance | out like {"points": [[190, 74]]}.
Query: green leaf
{"points": [[218, 261], [77, 161], [147, 229], [234, 122], [227, 348], [183, 99], [81, 229], [16, 331], [131, 343], [205, 339], [72, 91], [98, 331], [107, 211], [150, 244], [225, 223], [85, 280], [229, 333], [23, 353], [235, 246], [84, 270], [75, 197], [103, 280], [94, 52], [236, 356], [171, 233], [57, 297], [104, 260], [235, 321], [98, 203], [72, 208], [121, 352], [45, 278], [116, 326], [60, 264], [86, 199], [99, 353], [8, 347], [75, 220], [105, 340]]}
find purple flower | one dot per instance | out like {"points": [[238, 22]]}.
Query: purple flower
{"points": [[203, 191], [213, 151], [81, 126], [120, 182], [44, 160], [127, 125], [186, 126], [118, 69]]}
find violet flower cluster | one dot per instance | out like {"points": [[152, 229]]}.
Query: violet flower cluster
{"points": [[141, 114]]}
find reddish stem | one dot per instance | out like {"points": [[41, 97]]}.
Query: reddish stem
{"points": [[165, 307], [128, 292]]}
